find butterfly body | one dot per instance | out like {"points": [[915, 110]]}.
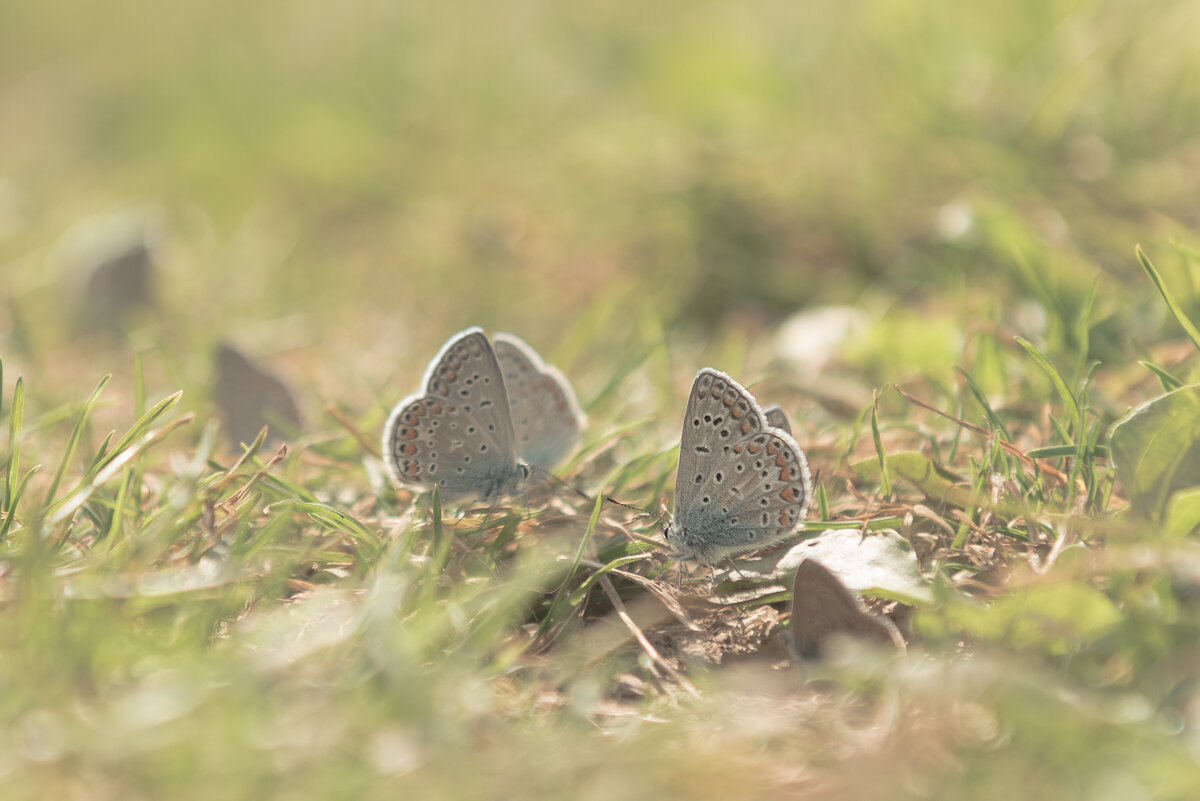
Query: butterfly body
{"points": [[742, 483]]}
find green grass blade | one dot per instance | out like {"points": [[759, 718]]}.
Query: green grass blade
{"points": [[138, 430], [981, 398], [562, 597], [1060, 386], [885, 479], [1172, 303], [11, 513], [114, 524], [1168, 381], [440, 547], [15, 419], [1082, 333], [73, 440], [64, 508], [335, 519]]}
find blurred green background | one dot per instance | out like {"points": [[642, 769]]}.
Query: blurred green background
{"points": [[363, 179]]}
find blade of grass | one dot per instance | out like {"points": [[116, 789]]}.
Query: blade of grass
{"points": [[981, 398], [1180, 317], [1083, 329], [15, 418], [138, 430], [73, 440], [885, 479], [11, 513], [335, 519], [70, 504], [1060, 386], [139, 411], [114, 525], [561, 596], [441, 549], [1168, 381]]}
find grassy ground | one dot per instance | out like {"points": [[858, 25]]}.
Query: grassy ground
{"points": [[639, 191]]}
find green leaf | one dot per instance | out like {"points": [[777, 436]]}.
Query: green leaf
{"points": [[1156, 449], [1183, 513]]}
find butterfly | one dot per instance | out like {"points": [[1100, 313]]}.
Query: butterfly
{"points": [[742, 483], [459, 432]]}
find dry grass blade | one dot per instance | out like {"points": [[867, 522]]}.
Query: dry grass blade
{"points": [[645, 644]]}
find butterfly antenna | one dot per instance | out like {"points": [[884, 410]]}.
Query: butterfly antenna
{"points": [[624, 505], [540, 471], [610, 499]]}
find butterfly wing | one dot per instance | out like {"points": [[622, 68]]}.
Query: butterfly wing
{"points": [[545, 413], [458, 433]]}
